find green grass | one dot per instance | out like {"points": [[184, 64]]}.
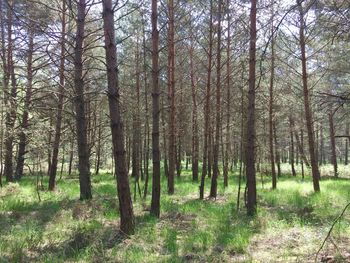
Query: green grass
{"points": [[290, 226]]}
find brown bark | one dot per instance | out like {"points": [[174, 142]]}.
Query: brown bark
{"points": [[136, 139], [277, 150], [346, 161], [171, 97], [80, 113], [195, 139], [228, 97], [271, 121], [155, 203], [291, 157], [299, 144], [59, 117], [332, 139], [214, 184], [27, 101], [207, 107], [10, 97], [308, 114], [250, 147], [127, 224], [321, 151], [99, 146]]}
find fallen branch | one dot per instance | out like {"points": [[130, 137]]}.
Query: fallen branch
{"points": [[331, 229]]}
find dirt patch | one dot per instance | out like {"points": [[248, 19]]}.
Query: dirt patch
{"points": [[179, 220], [83, 211]]}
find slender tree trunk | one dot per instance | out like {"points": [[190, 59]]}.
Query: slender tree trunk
{"points": [[146, 132], [27, 101], [127, 224], [99, 146], [80, 114], [250, 149], [299, 144], [171, 97], [136, 140], [346, 161], [322, 153], [195, 139], [207, 107], [271, 100], [332, 138], [291, 157], [155, 203], [228, 95], [10, 100], [61, 92], [71, 156], [308, 114], [302, 161], [214, 183], [278, 157]]}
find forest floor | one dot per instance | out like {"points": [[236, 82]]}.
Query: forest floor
{"points": [[291, 225]]}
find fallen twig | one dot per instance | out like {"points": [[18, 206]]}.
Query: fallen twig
{"points": [[331, 229]]}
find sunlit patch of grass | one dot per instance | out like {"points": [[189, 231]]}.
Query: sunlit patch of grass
{"points": [[62, 228]]}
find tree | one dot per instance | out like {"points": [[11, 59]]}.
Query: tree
{"points": [[250, 150], [308, 114], [79, 102], [155, 204], [206, 145], [61, 94], [213, 189], [171, 97], [127, 224]]}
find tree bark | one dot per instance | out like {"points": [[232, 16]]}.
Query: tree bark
{"points": [[332, 139], [155, 203], [250, 147], [214, 183], [171, 97], [127, 224], [228, 95], [61, 92], [27, 101], [308, 114], [271, 100], [195, 139], [80, 114], [207, 108], [291, 157], [10, 97]]}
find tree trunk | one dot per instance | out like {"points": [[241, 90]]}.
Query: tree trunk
{"points": [[250, 150], [127, 224], [136, 140], [291, 157], [322, 153], [271, 99], [61, 92], [228, 95], [10, 97], [332, 138], [80, 114], [214, 183], [308, 114], [346, 162], [155, 203], [195, 139], [278, 157], [171, 97], [207, 107], [27, 101]]}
